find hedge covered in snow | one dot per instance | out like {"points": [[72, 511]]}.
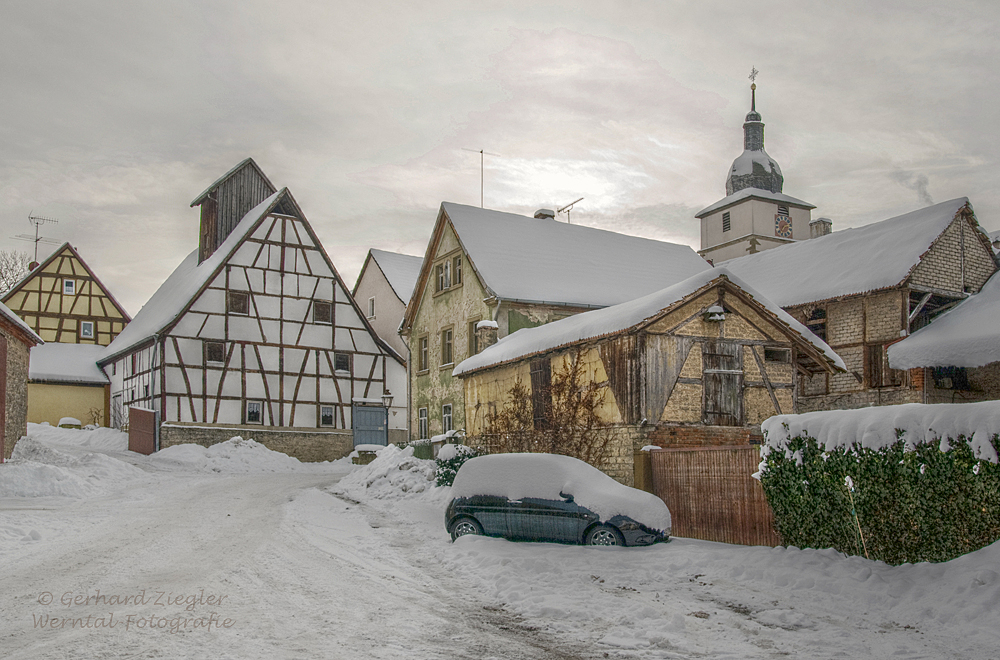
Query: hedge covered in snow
{"points": [[898, 483]]}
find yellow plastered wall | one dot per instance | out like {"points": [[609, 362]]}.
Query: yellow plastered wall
{"points": [[50, 403]]}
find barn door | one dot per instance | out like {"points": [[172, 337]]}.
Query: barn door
{"points": [[722, 377], [370, 425]]}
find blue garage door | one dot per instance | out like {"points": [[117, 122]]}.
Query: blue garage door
{"points": [[370, 425]]}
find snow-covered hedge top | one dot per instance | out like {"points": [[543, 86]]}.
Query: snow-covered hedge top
{"points": [[846, 262], [875, 428], [967, 336], [601, 322], [544, 476]]}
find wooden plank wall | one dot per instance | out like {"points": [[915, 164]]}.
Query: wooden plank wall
{"points": [[712, 496]]}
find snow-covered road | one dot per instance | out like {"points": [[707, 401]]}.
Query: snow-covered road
{"points": [[237, 552]]}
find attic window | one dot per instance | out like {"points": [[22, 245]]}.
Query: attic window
{"points": [[215, 351], [371, 308], [69, 287], [238, 302], [715, 313], [725, 221], [817, 322], [322, 311], [86, 330], [342, 361]]}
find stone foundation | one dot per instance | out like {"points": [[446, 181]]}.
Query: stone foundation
{"points": [[304, 444]]}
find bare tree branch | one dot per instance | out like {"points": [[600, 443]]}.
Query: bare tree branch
{"points": [[13, 267]]}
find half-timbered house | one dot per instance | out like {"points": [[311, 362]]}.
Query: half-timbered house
{"points": [[16, 342], [863, 289], [67, 305], [255, 334], [514, 272], [702, 362]]}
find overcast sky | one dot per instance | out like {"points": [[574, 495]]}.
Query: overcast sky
{"points": [[117, 114]]}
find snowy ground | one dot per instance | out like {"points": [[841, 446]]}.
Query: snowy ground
{"points": [[238, 552]]}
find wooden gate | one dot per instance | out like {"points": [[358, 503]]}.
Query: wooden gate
{"points": [[712, 496], [370, 424], [143, 430]]}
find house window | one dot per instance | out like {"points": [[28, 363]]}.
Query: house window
{"points": [[371, 308], [817, 322], [342, 361], [86, 330], [777, 355], [135, 363], [114, 368], [422, 423], [473, 339], [238, 302], [447, 347], [322, 311], [443, 276], [215, 351], [145, 391], [422, 354], [326, 416], [725, 221], [69, 287], [456, 271], [255, 412], [446, 418]]}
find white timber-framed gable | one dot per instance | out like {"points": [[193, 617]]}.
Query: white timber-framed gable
{"points": [[254, 335]]}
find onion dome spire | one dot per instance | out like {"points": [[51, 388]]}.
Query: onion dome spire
{"points": [[754, 168]]}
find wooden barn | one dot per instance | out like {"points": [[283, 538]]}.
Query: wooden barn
{"points": [[702, 362], [255, 334]]}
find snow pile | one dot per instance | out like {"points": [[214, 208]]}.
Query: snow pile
{"points": [[450, 451], [37, 470], [97, 438], [234, 456], [875, 428], [394, 474], [548, 476]]}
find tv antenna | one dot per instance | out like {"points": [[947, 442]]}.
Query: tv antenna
{"points": [[38, 221], [482, 170], [566, 209]]}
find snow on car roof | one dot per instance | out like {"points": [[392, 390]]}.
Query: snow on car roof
{"points": [[543, 260], [966, 336], [849, 261], [545, 476]]}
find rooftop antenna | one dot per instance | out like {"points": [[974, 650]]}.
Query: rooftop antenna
{"points": [[566, 209], [482, 170], [37, 221]]}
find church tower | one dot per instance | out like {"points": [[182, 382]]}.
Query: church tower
{"points": [[754, 215]]}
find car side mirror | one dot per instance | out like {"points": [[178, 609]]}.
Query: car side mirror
{"points": [[566, 497]]}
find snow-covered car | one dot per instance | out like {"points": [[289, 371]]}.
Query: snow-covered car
{"points": [[545, 497]]}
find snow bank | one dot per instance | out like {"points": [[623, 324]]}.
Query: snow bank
{"points": [[875, 428], [394, 474], [234, 456], [38, 470], [545, 476], [98, 438]]}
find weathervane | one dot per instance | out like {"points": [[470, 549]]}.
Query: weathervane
{"points": [[753, 74]]}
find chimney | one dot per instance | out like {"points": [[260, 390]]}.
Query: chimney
{"points": [[486, 334], [820, 227], [545, 214]]}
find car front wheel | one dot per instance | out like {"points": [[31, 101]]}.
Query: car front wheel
{"points": [[465, 526], [604, 535]]}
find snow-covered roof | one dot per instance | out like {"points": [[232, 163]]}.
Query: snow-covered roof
{"points": [[846, 262], [752, 192], [173, 296], [401, 270], [966, 336], [541, 260], [610, 320], [745, 161], [16, 320], [66, 363]]}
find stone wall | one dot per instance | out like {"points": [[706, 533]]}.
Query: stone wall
{"points": [[941, 267], [17, 392], [303, 444]]}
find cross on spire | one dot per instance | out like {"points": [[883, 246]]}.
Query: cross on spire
{"points": [[753, 74], [753, 88]]}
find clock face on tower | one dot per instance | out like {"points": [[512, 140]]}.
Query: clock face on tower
{"points": [[782, 226]]}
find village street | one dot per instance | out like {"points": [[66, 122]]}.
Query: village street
{"points": [[244, 553]]}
